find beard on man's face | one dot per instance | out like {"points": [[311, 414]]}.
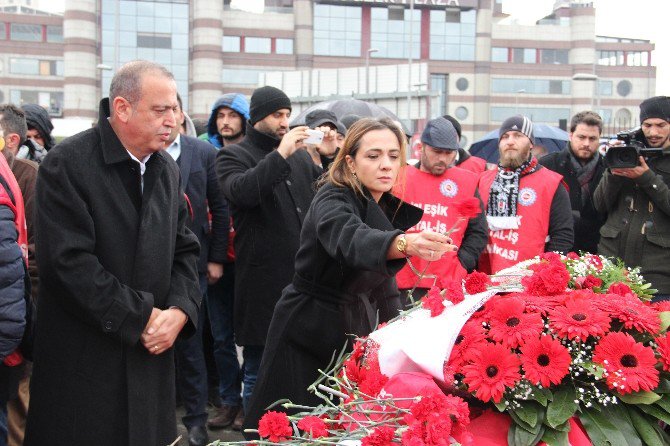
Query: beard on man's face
{"points": [[232, 137], [514, 159]]}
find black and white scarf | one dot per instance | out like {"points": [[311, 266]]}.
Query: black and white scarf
{"points": [[504, 194]]}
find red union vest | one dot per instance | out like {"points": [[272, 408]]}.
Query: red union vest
{"points": [[433, 194], [16, 206], [509, 246], [473, 164]]}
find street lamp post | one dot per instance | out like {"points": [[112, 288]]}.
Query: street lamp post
{"points": [[590, 77], [516, 100], [418, 97], [367, 69]]}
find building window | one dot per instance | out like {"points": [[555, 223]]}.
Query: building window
{"points": [[240, 76], [536, 114], [52, 101], [610, 58], [461, 113], [548, 56], [259, 45], [35, 67], [391, 36], [337, 30], [624, 88], [462, 84], [530, 86], [54, 34], [438, 85], [154, 40], [637, 59], [499, 54], [524, 55], [3, 30], [25, 32], [605, 88], [452, 40], [284, 46], [231, 44]]}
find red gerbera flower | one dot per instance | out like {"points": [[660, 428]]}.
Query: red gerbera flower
{"points": [[629, 365], [631, 311], [661, 306], [471, 334], [578, 318], [433, 301], [275, 426], [313, 425], [511, 326], [381, 436], [476, 282], [492, 369], [663, 350], [545, 361]]}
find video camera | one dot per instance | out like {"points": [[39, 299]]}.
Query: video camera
{"points": [[628, 154]]}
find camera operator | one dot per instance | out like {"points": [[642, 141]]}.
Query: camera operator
{"points": [[637, 201]]}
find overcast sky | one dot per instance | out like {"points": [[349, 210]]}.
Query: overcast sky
{"points": [[641, 19]]}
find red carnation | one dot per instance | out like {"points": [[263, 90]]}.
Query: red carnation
{"points": [[381, 436], [572, 255], [477, 282], [467, 207], [548, 279], [315, 426], [433, 301], [373, 380], [619, 288], [492, 369], [511, 326], [551, 257], [453, 291], [275, 426], [578, 318], [629, 365], [545, 361], [663, 349], [589, 282]]}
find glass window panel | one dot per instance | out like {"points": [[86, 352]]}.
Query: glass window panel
{"points": [[335, 35], [59, 68], [26, 32], [605, 88], [128, 8], [180, 41], [239, 76], [499, 54], [517, 55], [437, 16], [353, 12], [131, 23], [469, 16], [128, 54], [321, 10], [284, 46], [163, 10], [3, 30], [258, 45], [536, 114], [54, 33], [164, 56], [180, 25], [467, 52], [23, 66], [379, 13], [337, 24], [162, 25], [143, 53], [145, 8], [529, 55], [353, 48], [230, 44], [180, 56]]}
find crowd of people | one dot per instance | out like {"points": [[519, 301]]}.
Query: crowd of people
{"points": [[126, 246]]}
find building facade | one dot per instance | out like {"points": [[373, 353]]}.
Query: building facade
{"points": [[420, 58]]}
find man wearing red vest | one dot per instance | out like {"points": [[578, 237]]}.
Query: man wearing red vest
{"points": [[434, 185], [527, 206]]}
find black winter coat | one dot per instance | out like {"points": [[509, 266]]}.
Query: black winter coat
{"points": [[587, 220], [268, 198], [108, 253], [343, 283]]}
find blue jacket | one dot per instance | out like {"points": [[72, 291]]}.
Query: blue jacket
{"points": [[12, 302], [234, 101]]}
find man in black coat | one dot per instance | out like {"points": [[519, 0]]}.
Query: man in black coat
{"points": [[118, 274], [268, 182], [198, 180], [582, 167]]}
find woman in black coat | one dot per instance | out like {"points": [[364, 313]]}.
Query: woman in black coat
{"points": [[351, 246]]}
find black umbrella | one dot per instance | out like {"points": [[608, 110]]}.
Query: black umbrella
{"points": [[552, 138], [343, 107]]}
